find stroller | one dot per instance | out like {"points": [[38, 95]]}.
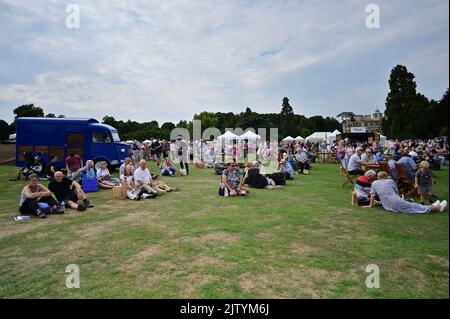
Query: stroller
{"points": [[34, 165]]}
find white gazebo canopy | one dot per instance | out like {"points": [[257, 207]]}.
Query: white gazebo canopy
{"points": [[299, 138], [319, 137], [287, 139], [228, 136], [336, 132], [249, 135]]}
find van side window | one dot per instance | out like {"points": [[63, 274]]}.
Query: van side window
{"points": [[101, 137]]}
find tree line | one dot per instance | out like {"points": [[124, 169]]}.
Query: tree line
{"points": [[287, 122]]}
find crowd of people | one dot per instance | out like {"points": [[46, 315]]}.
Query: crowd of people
{"points": [[264, 164], [67, 191], [417, 157]]}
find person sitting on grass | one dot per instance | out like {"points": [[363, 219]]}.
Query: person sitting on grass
{"points": [[143, 179], [254, 178], [127, 181], [33, 194], [105, 180], [51, 168], [362, 187], [87, 171], [387, 191], [167, 168], [210, 158], [68, 191], [285, 168], [231, 182], [73, 164], [126, 161], [424, 182]]}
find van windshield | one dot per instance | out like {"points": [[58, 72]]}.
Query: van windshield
{"points": [[115, 136]]}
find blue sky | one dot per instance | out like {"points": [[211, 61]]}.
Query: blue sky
{"points": [[166, 60]]}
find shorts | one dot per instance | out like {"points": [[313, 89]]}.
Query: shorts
{"points": [[425, 189], [72, 197]]}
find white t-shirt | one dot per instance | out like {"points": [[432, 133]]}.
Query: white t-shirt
{"points": [[142, 175], [354, 163], [102, 173]]}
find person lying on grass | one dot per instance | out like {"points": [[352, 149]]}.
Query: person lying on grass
{"points": [[254, 178], [68, 191], [33, 194], [231, 181], [386, 189]]}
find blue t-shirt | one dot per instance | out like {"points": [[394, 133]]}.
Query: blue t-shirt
{"points": [[90, 173], [409, 165]]}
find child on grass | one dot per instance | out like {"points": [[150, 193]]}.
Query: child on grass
{"points": [[424, 182]]}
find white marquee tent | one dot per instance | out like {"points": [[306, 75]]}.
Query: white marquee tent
{"points": [[336, 132], [287, 139], [249, 135], [299, 138], [319, 137], [228, 136], [332, 136]]}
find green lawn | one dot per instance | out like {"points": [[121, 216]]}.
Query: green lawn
{"points": [[303, 241]]}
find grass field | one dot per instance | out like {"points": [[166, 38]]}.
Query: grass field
{"points": [[303, 241]]}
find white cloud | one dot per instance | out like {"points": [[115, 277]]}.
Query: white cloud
{"points": [[145, 59]]}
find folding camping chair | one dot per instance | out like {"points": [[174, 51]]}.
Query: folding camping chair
{"points": [[349, 177], [405, 184], [385, 167]]}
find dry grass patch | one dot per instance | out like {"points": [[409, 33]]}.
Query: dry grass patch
{"points": [[139, 259]]}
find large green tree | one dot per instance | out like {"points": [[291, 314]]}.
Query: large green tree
{"points": [[4, 130], [287, 125], [441, 114], [401, 97], [28, 110]]}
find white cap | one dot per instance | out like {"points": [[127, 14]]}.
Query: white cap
{"points": [[413, 154]]}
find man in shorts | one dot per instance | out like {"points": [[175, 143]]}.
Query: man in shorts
{"points": [[68, 191]]}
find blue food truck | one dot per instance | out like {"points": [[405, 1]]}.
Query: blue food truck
{"points": [[62, 136]]}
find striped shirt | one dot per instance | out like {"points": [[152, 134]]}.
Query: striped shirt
{"points": [[362, 187]]}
